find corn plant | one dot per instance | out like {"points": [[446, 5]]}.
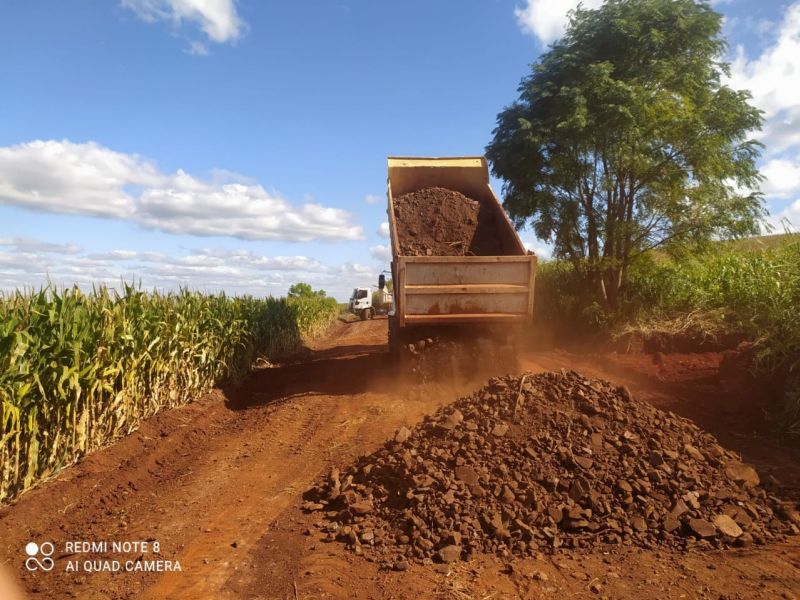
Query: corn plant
{"points": [[78, 370]]}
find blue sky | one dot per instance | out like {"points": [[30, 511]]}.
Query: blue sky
{"points": [[242, 145]]}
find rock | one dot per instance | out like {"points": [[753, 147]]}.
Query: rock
{"points": [[450, 554], [702, 528], [500, 429], [540, 576], [400, 565], [507, 495], [555, 513], [671, 523], [361, 508], [579, 489], [402, 435], [692, 499], [367, 536], [639, 524], [467, 474], [727, 526], [678, 509], [584, 462], [452, 420], [693, 452], [743, 474]]}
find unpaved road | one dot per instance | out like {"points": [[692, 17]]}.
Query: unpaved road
{"points": [[217, 485]]}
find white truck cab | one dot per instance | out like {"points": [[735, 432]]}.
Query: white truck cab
{"points": [[361, 303]]}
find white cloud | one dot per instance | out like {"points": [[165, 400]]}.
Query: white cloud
{"points": [[198, 49], [383, 229], [63, 177], [31, 263], [782, 177], [774, 80], [27, 245], [547, 19], [372, 199], [381, 252], [89, 179], [767, 76], [218, 19]]}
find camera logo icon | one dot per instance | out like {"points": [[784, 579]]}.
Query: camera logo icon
{"points": [[39, 556]]}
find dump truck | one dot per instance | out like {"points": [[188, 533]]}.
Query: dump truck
{"points": [[433, 292]]}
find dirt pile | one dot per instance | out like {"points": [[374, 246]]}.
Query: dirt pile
{"points": [[542, 462], [441, 222]]}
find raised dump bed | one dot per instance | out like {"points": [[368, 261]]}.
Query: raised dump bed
{"points": [[466, 285]]}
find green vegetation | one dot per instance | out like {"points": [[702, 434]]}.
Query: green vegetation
{"points": [[78, 370], [304, 290], [750, 291], [624, 139]]}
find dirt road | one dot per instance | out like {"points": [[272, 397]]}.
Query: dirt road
{"points": [[216, 485]]}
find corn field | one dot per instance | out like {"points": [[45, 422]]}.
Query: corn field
{"points": [[78, 370]]}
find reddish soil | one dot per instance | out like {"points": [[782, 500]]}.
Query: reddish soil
{"points": [[219, 482], [440, 222]]}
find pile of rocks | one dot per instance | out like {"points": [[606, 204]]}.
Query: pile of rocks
{"points": [[542, 462]]}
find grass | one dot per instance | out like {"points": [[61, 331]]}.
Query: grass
{"points": [[78, 370], [750, 289]]}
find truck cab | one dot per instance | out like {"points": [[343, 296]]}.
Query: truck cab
{"points": [[361, 303]]}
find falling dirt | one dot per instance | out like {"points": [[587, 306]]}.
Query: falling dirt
{"points": [[218, 484], [441, 222]]}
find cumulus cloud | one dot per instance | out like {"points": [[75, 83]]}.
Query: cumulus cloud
{"points": [[218, 19], [773, 77], [90, 179], [383, 229], [381, 252], [547, 20], [372, 199], [38, 246], [32, 263], [782, 177]]}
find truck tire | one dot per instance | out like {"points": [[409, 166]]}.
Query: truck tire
{"points": [[363, 315]]}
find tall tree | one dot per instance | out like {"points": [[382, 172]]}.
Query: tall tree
{"points": [[624, 139]]}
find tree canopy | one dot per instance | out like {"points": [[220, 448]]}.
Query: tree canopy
{"points": [[304, 290], [624, 138]]}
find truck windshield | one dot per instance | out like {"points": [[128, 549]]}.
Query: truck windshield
{"points": [[361, 294]]}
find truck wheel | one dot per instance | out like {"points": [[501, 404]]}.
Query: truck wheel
{"points": [[363, 315]]}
